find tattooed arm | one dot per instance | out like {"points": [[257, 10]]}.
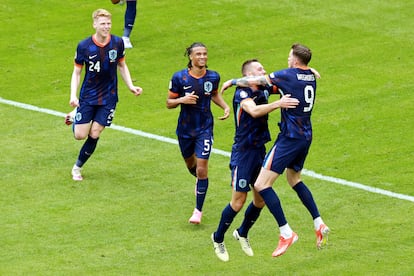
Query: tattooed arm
{"points": [[245, 82]]}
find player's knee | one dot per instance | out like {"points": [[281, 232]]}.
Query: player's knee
{"points": [[80, 136], [201, 174], [259, 203], [237, 205]]}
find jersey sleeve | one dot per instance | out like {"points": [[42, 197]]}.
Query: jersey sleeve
{"points": [[216, 83], [174, 85], [241, 94], [79, 55]]}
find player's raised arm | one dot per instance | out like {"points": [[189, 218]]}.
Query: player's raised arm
{"points": [[245, 82]]}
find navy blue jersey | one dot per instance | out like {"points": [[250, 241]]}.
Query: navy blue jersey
{"points": [[300, 84], [250, 132], [195, 119], [100, 84]]}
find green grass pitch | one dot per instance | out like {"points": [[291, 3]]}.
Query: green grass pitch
{"points": [[129, 216]]}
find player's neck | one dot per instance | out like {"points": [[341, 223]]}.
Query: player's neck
{"points": [[197, 71], [101, 40], [301, 66]]}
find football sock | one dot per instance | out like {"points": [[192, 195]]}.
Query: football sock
{"points": [[317, 222], [227, 217], [307, 199], [193, 171], [286, 231], [86, 151], [130, 14], [202, 186], [273, 203], [250, 217]]}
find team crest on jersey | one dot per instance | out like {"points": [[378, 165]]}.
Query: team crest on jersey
{"points": [[112, 55], [208, 87]]}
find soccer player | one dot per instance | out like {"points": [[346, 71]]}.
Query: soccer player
{"points": [[193, 89], [292, 144], [102, 54], [251, 108]]}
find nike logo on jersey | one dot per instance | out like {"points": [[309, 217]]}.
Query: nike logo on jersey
{"points": [[91, 57], [187, 87]]}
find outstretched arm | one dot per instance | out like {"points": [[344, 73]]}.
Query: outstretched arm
{"points": [[245, 82], [260, 110]]}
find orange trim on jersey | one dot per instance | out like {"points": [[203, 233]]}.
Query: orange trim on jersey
{"points": [[108, 39], [78, 65], [240, 110], [275, 89], [197, 77], [172, 95]]}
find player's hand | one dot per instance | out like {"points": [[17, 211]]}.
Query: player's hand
{"points": [[74, 101], [287, 102], [189, 98], [316, 73], [226, 113], [226, 85], [136, 90]]}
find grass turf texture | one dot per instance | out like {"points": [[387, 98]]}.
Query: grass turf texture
{"points": [[130, 214]]}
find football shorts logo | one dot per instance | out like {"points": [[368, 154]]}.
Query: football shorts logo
{"points": [[78, 116], [242, 183]]}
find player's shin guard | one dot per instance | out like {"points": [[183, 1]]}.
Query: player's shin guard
{"points": [[86, 151], [227, 217], [306, 197], [273, 203], [250, 217], [129, 19], [202, 186]]}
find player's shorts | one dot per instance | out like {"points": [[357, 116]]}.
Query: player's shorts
{"points": [[287, 153], [245, 167], [102, 114], [200, 145]]}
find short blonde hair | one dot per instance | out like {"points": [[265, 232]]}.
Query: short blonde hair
{"points": [[101, 13]]}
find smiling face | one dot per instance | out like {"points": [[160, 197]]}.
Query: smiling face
{"points": [[198, 56], [102, 23]]}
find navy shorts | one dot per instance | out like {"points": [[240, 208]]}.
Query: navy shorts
{"points": [[245, 167], [102, 114], [287, 153], [200, 145]]}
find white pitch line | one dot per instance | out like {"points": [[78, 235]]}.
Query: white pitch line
{"points": [[218, 151]]}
